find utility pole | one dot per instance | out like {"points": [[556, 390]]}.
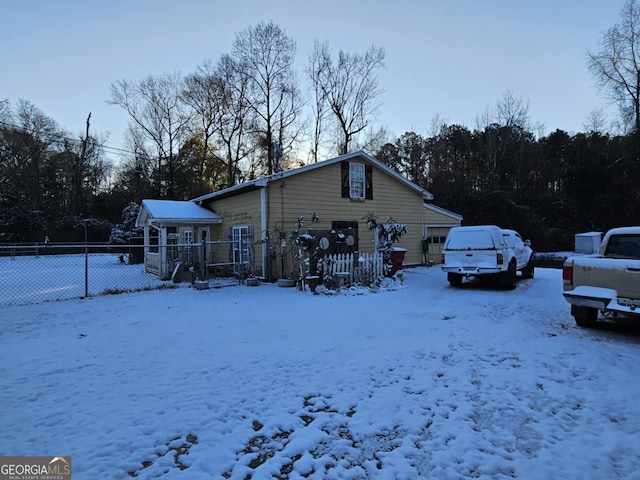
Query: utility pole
{"points": [[77, 174]]}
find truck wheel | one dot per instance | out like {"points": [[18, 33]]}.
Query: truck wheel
{"points": [[508, 278], [455, 279], [529, 270], [584, 316]]}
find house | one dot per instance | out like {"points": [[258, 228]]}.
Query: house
{"points": [[254, 222]]}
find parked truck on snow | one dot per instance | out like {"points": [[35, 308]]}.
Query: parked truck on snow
{"points": [[608, 282], [486, 251]]}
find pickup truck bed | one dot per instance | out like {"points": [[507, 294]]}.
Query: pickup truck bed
{"points": [[608, 282]]}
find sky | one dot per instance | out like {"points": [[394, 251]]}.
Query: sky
{"points": [[418, 380], [447, 59]]}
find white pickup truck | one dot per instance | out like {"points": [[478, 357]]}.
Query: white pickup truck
{"points": [[486, 250], [608, 282]]}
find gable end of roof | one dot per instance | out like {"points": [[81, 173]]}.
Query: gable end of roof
{"points": [[263, 181]]}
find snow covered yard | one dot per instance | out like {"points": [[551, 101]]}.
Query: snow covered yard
{"points": [[419, 380], [31, 279]]}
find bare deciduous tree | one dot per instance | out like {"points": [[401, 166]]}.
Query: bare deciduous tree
{"points": [[437, 123], [5, 113], [204, 93], [264, 56], [596, 121], [350, 87], [509, 111], [505, 129], [235, 117], [512, 111], [157, 111], [616, 65], [375, 139], [316, 69]]}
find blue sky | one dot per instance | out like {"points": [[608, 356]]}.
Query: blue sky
{"points": [[452, 58]]}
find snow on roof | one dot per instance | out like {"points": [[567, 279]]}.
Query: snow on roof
{"points": [[173, 211]]}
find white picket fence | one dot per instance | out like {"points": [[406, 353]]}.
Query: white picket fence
{"points": [[364, 268]]}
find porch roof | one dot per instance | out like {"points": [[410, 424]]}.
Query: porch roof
{"points": [[173, 212]]}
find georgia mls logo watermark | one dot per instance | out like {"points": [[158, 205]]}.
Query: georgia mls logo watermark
{"points": [[35, 468]]}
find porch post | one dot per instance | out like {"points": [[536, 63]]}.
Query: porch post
{"points": [[145, 247], [162, 245], [264, 226]]}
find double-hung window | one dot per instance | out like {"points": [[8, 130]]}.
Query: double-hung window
{"points": [[356, 180]]}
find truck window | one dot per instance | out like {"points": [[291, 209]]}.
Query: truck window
{"points": [[509, 239], [623, 246], [470, 240]]}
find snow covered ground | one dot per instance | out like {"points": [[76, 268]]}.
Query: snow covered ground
{"points": [[31, 279], [418, 380]]}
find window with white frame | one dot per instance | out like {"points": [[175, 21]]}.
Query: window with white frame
{"points": [[242, 248], [356, 180], [188, 236]]}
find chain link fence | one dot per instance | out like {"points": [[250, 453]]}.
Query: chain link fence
{"points": [[46, 272]]}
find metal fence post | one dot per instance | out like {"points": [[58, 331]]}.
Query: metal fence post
{"points": [[86, 260]]}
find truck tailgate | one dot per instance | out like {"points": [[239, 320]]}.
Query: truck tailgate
{"points": [[622, 275], [472, 260]]}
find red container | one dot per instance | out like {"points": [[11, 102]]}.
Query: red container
{"points": [[395, 260]]}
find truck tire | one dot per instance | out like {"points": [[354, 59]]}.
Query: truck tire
{"points": [[508, 278], [455, 279], [529, 270], [585, 317]]}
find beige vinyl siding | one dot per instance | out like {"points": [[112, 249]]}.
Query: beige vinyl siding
{"points": [[436, 218], [319, 191], [240, 210]]}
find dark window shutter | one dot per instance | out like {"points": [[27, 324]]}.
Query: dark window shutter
{"points": [[345, 179], [368, 179]]}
